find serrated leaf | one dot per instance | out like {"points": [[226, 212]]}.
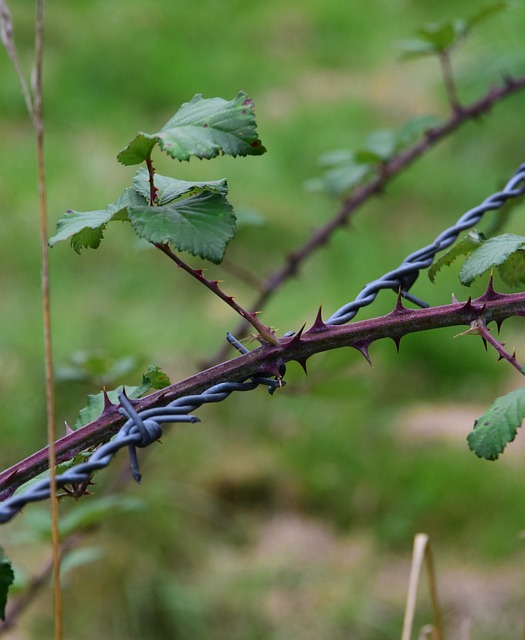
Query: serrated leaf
{"points": [[7, 578], [169, 189], [498, 426], [202, 224], [491, 254], [204, 128], [463, 247], [85, 229], [153, 380], [512, 271]]}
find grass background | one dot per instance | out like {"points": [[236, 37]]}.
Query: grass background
{"points": [[290, 517]]}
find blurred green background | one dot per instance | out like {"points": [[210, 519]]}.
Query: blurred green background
{"points": [[291, 516]]}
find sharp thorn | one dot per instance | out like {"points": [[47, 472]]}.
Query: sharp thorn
{"points": [[363, 349], [318, 324]]}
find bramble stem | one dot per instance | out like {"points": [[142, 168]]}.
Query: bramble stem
{"points": [[264, 360], [478, 327], [152, 188], [265, 333]]}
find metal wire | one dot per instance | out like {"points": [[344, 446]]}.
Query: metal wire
{"points": [[403, 278], [143, 428]]}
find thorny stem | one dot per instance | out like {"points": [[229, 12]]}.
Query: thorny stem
{"points": [[478, 327], [449, 82], [152, 188], [265, 333], [364, 192], [266, 359]]}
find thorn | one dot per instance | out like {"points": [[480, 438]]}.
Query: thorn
{"points": [[490, 293], [107, 402], [318, 324], [397, 342], [302, 362], [454, 299], [296, 338], [69, 430], [467, 306], [363, 349], [272, 369], [399, 308], [484, 343], [498, 324], [130, 400]]}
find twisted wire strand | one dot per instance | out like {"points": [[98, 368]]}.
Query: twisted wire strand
{"points": [[406, 274], [143, 428], [140, 430]]}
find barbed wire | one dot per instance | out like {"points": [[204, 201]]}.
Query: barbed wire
{"points": [[145, 427], [403, 278]]}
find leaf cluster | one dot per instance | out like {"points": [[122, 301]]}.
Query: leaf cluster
{"points": [[190, 216], [506, 252]]}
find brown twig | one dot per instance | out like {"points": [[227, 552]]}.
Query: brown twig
{"points": [[479, 328], [264, 333]]}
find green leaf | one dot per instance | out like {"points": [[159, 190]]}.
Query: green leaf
{"points": [[7, 578], [85, 229], [497, 426], [463, 247], [153, 380], [169, 189], [204, 128], [202, 224], [491, 254], [512, 271]]}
